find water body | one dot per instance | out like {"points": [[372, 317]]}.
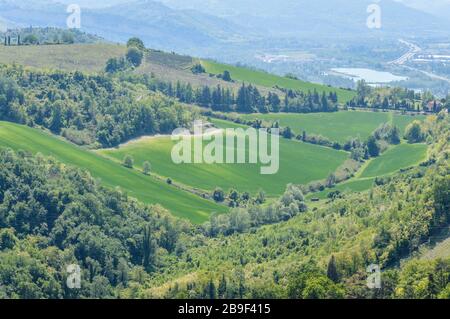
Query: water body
{"points": [[369, 75]]}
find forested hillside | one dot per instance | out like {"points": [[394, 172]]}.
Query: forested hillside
{"points": [[52, 215], [85, 167], [87, 110]]}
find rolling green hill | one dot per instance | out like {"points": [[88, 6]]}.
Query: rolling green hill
{"points": [[300, 163], [144, 188], [172, 67], [338, 126], [398, 157], [271, 80]]}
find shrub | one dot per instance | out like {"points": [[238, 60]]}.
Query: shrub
{"points": [[128, 161]]}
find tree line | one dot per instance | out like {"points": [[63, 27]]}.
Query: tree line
{"points": [[397, 99], [248, 98]]}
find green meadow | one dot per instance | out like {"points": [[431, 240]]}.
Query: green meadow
{"points": [[300, 163], [396, 158], [270, 80], [147, 189], [338, 126], [354, 185]]}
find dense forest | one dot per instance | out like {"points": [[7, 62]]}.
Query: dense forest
{"points": [[52, 215], [92, 110]]}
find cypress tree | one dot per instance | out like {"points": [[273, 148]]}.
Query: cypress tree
{"points": [[222, 289], [332, 273]]}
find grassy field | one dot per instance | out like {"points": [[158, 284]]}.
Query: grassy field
{"points": [[338, 126], [394, 159], [299, 163], [354, 185], [82, 57], [144, 188], [271, 80], [391, 161]]}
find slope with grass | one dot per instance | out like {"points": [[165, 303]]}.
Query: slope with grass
{"points": [[92, 58], [338, 126], [300, 163], [144, 188], [74, 57], [270, 80], [394, 159], [171, 67], [353, 185]]}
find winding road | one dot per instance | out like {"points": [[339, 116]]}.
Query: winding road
{"points": [[413, 50]]}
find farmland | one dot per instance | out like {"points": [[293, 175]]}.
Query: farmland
{"points": [[134, 183], [82, 57], [339, 126], [300, 163], [398, 157], [271, 80]]}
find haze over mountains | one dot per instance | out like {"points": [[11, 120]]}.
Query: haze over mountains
{"points": [[198, 25], [439, 8]]}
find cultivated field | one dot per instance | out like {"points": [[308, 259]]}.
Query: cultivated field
{"points": [[146, 189], [396, 158], [90, 58], [390, 162], [338, 126], [300, 163], [271, 80]]}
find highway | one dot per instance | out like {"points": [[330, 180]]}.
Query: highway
{"points": [[413, 50]]}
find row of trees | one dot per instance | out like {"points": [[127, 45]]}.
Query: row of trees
{"points": [[128, 162], [396, 99], [248, 99]]}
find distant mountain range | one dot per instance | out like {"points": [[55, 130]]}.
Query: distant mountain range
{"points": [[320, 17], [197, 25], [158, 25], [440, 8]]}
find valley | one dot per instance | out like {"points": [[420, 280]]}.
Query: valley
{"points": [[144, 188], [87, 176]]}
